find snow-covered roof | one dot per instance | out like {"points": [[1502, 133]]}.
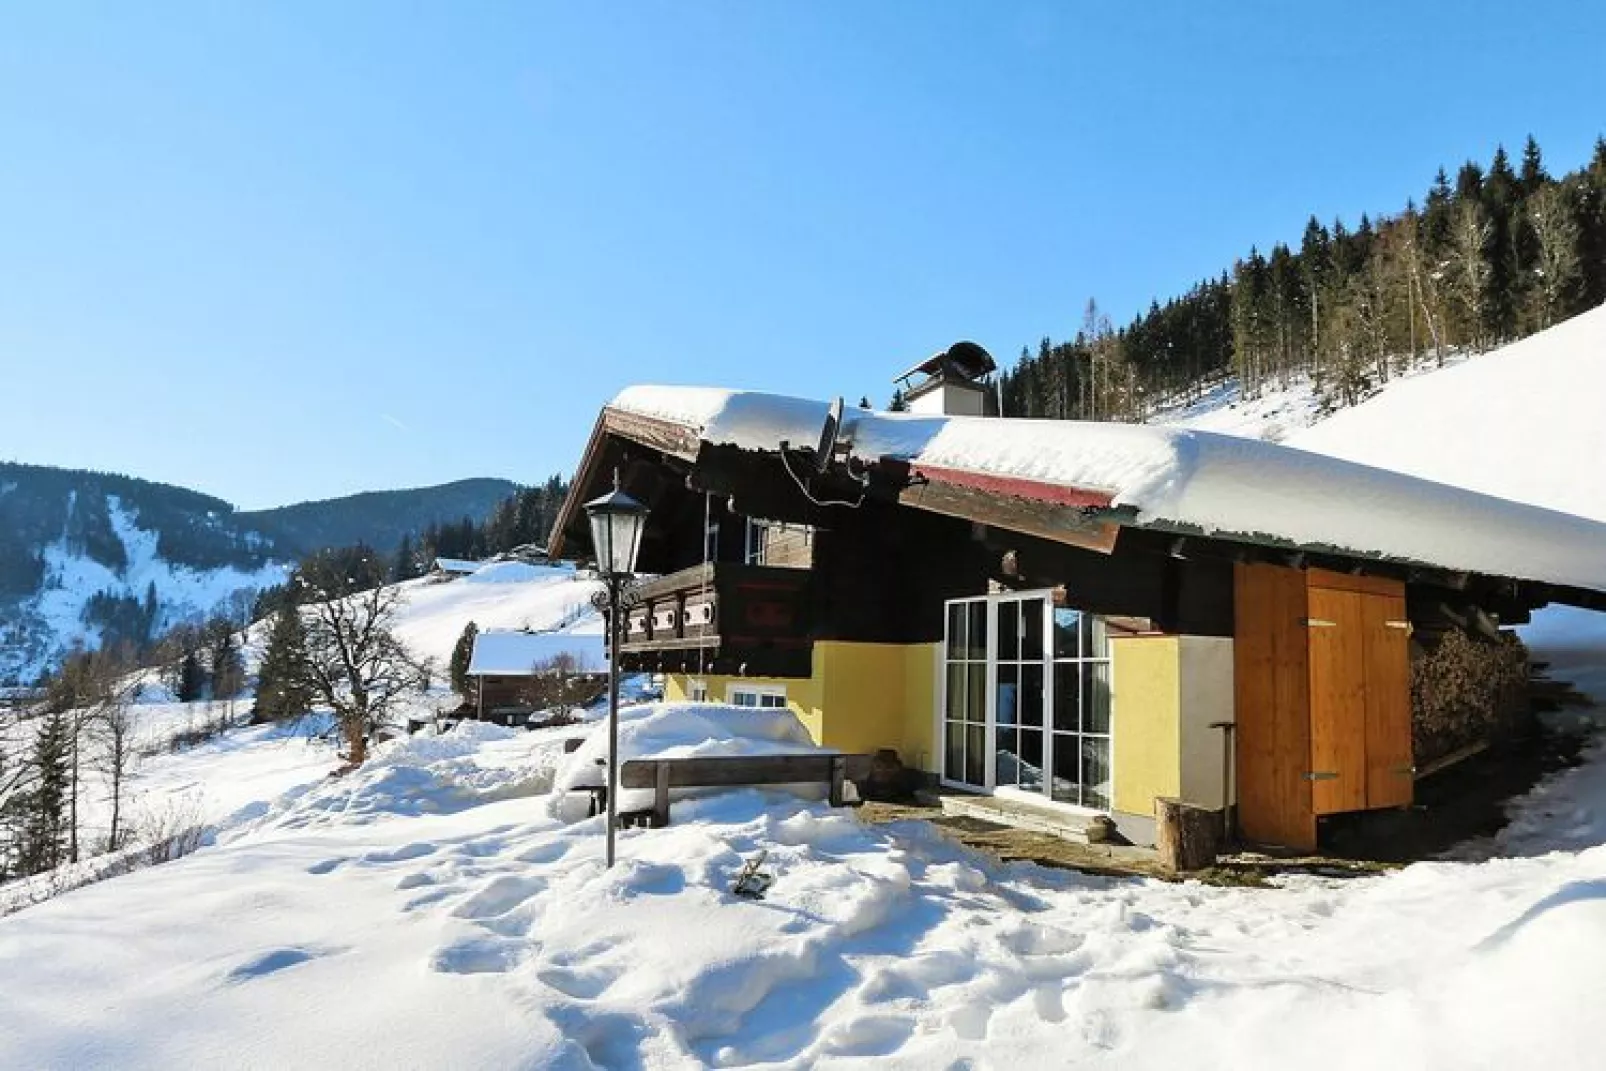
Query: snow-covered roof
{"points": [[1169, 477], [511, 653], [455, 565]]}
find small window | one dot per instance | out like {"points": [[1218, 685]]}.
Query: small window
{"points": [[697, 691], [763, 696], [758, 538], [711, 541]]}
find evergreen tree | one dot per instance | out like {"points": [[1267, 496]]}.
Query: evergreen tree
{"points": [[462, 654], [227, 667], [45, 834], [191, 677], [283, 690]]}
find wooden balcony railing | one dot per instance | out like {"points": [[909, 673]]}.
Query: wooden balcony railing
{"points": [[717, 608]]}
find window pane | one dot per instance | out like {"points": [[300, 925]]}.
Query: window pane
{"points": [[1066, 787], [954, 768], [976, 692], [958, 690], [1096, 772], [1095, 638], [1008, 696], [956, 630], [1095, 697], [1031, 695], [975, 755], [1065, 632], [772, 700], [1031, 759], [1066, 703], [976, 629], [1006, 763], [1031, 630], [1008, 631]]}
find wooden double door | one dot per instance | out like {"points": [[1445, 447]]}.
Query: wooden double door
{"points": [[1322, 676]]}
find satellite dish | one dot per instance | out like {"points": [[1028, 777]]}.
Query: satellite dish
{"points": [[827, 445]]}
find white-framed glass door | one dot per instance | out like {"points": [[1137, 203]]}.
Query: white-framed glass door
{"points": [[1025, 701]]}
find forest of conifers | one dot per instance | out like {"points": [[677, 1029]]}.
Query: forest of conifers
{"points": [[1488, 257]]}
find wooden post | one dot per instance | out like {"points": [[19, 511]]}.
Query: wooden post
{"points": [[1186, 834], [660, 799], [839, 773]]}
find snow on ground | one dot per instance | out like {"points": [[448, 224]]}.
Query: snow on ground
{"points": [[206, 782], [1523, 422], [436, 909], [502, 595], [450, 920]]}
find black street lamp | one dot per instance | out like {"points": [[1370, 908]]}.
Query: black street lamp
{"points": [[617, 521]]}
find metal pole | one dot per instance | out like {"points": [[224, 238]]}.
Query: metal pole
{"points": [[613, 709]]}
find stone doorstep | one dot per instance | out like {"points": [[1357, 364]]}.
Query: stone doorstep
{"points": [[1018, 814]]}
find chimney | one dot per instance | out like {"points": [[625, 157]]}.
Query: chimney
{"points": [[955, 382]]}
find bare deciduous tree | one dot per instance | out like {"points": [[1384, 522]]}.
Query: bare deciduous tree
{"points": [[355, 663], [1556, 257]]}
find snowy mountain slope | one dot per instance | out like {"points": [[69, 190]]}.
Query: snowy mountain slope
{"points": [[455, 919], [86, 556], [211, 780], [1526, 422]]}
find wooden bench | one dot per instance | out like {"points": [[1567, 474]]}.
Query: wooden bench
{"points": [[729, 771]]}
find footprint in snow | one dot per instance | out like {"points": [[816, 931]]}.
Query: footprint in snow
{"points": [[416, 850], [876, 1035], [479, 955], [326, 866], [275, 960], [500, 896]]}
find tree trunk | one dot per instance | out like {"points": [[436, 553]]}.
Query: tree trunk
{"points": [[1187, 835]]}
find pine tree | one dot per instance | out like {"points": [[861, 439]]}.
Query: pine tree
{"points": [[282, 688], [228, 668], [462, 654], [45, 834], [191, 677]]}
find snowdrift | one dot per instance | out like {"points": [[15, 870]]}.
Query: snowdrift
{"points": [[1524, 422], [678, 731]]}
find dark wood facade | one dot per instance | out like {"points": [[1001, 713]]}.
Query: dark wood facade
{"points": [[1322, 636]]}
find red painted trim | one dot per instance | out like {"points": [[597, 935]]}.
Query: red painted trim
{"points": [[1015, 486]]}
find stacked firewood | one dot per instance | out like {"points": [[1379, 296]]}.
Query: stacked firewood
{"points": [[1466, 689]]}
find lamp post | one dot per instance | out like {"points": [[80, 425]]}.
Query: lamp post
{"points": [[617, 521]]}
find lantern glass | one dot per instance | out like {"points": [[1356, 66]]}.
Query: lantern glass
{"points": [[617, 522]]}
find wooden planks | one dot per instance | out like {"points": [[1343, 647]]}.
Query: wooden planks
{"points": [[661, 775], [1390, 773], [1338, 769], [1271, 680]]}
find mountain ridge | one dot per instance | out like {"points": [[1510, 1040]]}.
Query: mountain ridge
{"points": [[89, 556]]}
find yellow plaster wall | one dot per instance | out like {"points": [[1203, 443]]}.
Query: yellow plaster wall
{"points": [[860, 697], [1147, 716]]}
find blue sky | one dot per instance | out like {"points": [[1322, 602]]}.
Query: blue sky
{"points": [[285, 251]]}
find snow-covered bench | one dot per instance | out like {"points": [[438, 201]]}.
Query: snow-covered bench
{"points": [[728, 771]]}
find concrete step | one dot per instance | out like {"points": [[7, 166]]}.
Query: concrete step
{"points": [[1021, 814]]}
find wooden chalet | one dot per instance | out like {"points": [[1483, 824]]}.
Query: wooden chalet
{"points": [[1088, 617], [514, 674]]}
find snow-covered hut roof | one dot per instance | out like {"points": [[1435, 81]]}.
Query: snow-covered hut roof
{"points": [[513, 653], [459, 566], [1156, 476]]}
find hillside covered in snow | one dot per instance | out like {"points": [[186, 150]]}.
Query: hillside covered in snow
{"points": [[87, 557], [447, 905]]}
